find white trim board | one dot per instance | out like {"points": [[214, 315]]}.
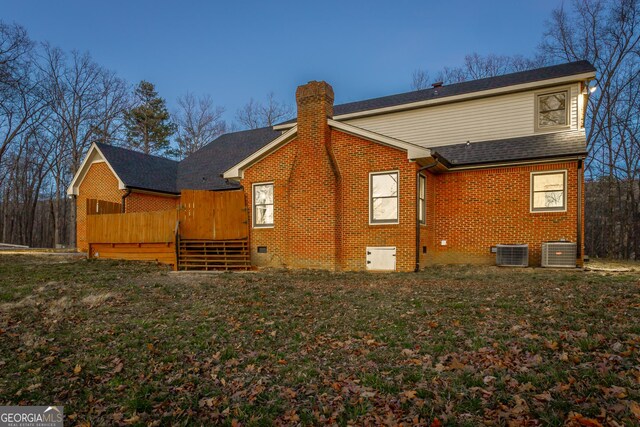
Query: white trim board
{"points": [[94, 155]]}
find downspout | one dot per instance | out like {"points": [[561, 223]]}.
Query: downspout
{"points": [[124, 196], [579, 211], [423, 168]]}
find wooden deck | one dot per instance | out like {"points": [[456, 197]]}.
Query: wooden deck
{"points": [[208, 231]]}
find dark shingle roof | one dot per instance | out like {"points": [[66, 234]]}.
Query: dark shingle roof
{"points": [[143, 171], [202, 169], [521, 77], [511, 149]]}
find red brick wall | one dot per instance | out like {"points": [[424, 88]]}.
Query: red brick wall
{"points": [[427, 231], [275, 168], [353, 159], [143, 202], [477, 209], [356, 158], [99, 183]]}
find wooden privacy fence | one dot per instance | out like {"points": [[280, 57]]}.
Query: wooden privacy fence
{"points": [[143, 236], [213, 215], [138, 227], [99, 207]]}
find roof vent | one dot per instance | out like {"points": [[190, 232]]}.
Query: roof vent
{"points": [[437, 84]]}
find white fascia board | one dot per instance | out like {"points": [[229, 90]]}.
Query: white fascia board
{"points": [[413, 151], [94, 155], [237, 171], [284, 126], [457, 98]]}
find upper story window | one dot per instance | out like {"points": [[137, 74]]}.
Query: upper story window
{"points": [[422, 199], [548, 191], [552, 110], [263, 205], [383, 198]]}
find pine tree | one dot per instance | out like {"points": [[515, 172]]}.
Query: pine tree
{"points": [[148, 123]]}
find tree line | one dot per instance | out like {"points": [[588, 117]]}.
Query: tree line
{"points": [[607, 34], [55, 104]]}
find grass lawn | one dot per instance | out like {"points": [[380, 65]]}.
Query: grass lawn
{"points": [[130, 343]]}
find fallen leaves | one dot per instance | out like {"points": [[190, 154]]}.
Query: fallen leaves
{"points": [[410, 394], [456, 345]]}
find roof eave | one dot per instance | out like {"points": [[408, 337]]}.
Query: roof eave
{"points": [[74, 186], [530, 160]]}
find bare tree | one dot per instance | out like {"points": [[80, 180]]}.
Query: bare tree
{"points": [[476, 66], [255, 114], [606, 33], [86, 104], [20, 101], [199, 122], [420, 80]]}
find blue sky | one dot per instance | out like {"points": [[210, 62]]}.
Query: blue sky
{"points": [[236, 50]]}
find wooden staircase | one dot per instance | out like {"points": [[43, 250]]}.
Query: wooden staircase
{"points": [[208, 255]]}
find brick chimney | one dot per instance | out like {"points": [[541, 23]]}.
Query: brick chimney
{"points": [[313, 182], [315, 105]]}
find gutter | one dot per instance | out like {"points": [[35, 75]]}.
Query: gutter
{"points": [[423, 168], [124, 196]]}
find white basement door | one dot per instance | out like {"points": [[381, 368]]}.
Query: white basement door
{"points": [[381, 258]]}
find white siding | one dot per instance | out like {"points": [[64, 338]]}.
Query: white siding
{"points": [[497, 117]]}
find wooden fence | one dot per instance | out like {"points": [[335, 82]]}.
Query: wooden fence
{"points": [[213, 215], [138, 227], [143, 236], [100, 207]]}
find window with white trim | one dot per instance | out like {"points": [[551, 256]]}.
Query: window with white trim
{"points": [[422, 199], [383, 198], [548, 191], [263, 205], [552, 110]]}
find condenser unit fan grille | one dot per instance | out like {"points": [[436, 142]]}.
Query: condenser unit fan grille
{"points": [[559, 254], [512, 255]]}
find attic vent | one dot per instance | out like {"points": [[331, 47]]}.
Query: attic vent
{"points": [[437, 84], [559, 254], [512, 255]]}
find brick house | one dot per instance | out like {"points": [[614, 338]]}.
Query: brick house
{"points": [[440, 175]]}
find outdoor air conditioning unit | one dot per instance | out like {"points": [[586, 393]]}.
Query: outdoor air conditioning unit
{"points": [[512, 255], [559, 254]]}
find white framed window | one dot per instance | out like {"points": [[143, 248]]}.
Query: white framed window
{"points": [[422, 199], [549, 191], [383, 197], [552, 110], [263, 205]]}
